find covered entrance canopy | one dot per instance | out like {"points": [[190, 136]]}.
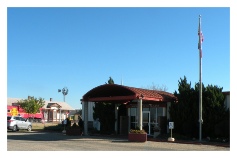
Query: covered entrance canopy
{"points": [[125, 94], [129, 96]]}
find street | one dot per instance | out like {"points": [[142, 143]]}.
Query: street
{"points": [[49, 141]]}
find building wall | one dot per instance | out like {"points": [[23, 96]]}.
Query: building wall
{"points": [[227, 101], [90, 111]]}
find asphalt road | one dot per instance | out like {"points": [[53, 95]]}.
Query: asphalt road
{"points": [[49, 141]]}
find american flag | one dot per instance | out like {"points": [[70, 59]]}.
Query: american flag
{"points": [[201, 38]]}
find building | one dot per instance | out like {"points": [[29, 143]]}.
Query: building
{"points": [[75, 115], [227, 99], [134, 107], [144, 108], [52, 111]]}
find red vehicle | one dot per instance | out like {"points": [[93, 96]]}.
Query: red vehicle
{"points": [[13, 110]]}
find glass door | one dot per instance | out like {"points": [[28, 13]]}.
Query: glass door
{"points": [[146, 122]]}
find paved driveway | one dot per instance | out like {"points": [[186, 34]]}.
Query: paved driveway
{"points": [[48, 141]]}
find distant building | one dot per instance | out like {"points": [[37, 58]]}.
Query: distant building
{"points": [[74, 115], [52, 111], [227, 99]]}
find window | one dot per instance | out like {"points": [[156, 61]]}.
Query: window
{"points": [[22, 119], [17, 118]]}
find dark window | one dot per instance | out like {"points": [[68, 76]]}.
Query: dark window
{"points": [[22, 119], [17, 118]]}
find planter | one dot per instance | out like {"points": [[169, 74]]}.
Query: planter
{"points": [[137, 137], [73, 132]]}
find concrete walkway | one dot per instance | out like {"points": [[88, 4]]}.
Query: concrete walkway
{"points": [[49, 141]]}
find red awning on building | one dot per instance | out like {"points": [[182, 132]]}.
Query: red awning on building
{"points": [[122, 94]]}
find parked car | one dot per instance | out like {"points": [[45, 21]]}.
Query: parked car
{"points": [[15, 123]]}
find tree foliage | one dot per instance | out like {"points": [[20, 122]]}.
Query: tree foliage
{"points": [[110, 81], [32, 105], [105, 112], [185, 112], [157, 87]]}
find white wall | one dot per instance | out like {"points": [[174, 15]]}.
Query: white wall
{"points": [[227, 101], [90, 111]]}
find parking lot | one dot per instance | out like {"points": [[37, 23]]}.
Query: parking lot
{"points": [[49, 141]]}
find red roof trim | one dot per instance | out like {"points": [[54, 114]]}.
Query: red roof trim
{"points": [[113, 98], [153, 99], [226, 93], [114, 92]]}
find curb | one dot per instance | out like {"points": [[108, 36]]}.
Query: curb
{"points": [[191, 142]]}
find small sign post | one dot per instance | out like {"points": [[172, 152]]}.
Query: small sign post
{"points": [[64, 123], [171, 126]]}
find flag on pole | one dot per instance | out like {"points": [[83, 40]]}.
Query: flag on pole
{"points": [[201, 38]]}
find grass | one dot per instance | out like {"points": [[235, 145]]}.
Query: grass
{"points": [[37, 126]]}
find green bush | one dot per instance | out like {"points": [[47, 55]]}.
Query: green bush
{"points": [[59, 127], [137, 131]]}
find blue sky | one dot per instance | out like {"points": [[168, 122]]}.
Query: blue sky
{"points": [[80, 48], [45, 50]]}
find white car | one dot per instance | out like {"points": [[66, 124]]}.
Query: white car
{"points": [[15, 123]]}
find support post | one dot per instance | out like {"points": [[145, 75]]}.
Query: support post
{"points": [[140, 112], [116, 118], [86, 118]]}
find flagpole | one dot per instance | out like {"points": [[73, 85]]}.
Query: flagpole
{"points": [[200, 79]]}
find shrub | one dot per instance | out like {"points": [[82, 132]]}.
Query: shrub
{"points": [[137, 131], [58, 128]]}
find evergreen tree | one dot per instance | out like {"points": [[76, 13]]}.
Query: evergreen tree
{"points": [[110, 81], [185, 112], [214, 111], [106, 114]]}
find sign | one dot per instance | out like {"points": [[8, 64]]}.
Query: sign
{"points": [[14, 112], [171, 125]]}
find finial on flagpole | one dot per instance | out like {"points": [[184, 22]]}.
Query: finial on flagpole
{"points": [[199, 16]]}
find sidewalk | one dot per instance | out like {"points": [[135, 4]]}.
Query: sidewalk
{"points": [[150, 138], [197, 142]]}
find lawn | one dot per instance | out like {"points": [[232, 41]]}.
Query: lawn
{"points": [[40, 126]]}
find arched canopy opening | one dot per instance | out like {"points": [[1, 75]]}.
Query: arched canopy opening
{"points": [[125, 94]]}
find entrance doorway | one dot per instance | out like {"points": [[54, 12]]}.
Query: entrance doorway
{"points": [[146, 122], [152, 117]]}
